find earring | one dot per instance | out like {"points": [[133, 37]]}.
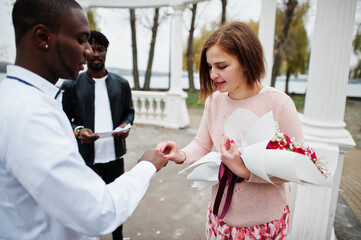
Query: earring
{"points": [[46, 46]]}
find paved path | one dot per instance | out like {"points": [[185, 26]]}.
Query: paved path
{"points": [[351, 174], [171, 209]]}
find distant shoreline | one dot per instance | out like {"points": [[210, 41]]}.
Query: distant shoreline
{"points": [[160, 82]]}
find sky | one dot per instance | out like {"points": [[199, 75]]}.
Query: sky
{"points": [[114, 23]]}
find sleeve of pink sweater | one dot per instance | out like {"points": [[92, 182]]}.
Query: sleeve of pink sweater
{"points": [[202, 143], [288, 119]]}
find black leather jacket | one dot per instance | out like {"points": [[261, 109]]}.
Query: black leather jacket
{"points": [[78, 104]]}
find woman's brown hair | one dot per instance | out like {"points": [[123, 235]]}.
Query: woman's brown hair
{"points": [[240, 40]]}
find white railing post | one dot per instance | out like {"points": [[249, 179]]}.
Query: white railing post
{"points": [[158, 111], [151, 108], [143, 110], [135, 104]]}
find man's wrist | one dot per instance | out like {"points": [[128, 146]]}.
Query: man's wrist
{"points": [[77, 131]]}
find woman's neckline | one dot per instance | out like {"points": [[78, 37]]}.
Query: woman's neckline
{"points": [[261, 89]]}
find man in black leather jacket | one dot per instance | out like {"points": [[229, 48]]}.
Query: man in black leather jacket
{"points": [[100, 101]]}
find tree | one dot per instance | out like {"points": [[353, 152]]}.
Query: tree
{"points": [[91, 20], [356, 71], [198, 44], [224, 8], [254, 25], [190, 49], [134, 49], [296, 47], [148, 72], [285, 19]]}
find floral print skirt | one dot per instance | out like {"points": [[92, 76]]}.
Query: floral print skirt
{"points": [[216, 229]]}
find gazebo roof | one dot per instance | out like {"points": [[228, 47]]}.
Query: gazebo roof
{"points": [[134, 3]]}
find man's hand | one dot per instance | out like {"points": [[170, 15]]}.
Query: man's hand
{"points": [[123, 134], [171, 151], [85, 135], [154, 157]]}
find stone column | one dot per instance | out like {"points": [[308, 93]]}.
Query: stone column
{"points": [[176, 109], [177, 49], [324, 129], [266, 33]]}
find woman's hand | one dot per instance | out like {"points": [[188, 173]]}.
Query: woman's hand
{"points": [[231, 157], [171, 151]]}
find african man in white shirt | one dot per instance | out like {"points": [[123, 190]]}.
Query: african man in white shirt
{"points": [[47, 191]]}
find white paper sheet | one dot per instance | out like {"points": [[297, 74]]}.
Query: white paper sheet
{"points": [[205, 172], [109, 134]]}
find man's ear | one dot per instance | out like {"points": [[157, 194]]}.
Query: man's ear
{"points": [[41, 35]]}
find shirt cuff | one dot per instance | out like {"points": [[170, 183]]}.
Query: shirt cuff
{"points": [[147, 166]]}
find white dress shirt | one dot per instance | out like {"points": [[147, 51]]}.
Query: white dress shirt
{"points": [[46, 190]]}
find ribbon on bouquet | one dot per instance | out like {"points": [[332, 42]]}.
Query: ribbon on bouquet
{"points": [[226, 177]]}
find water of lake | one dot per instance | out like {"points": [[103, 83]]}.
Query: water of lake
{"points": [[298, 86]]}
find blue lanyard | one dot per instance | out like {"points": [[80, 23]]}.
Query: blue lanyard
{"points": [[22, 81], [29, 84]]}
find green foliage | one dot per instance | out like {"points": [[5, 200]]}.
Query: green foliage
{"points": [[356, 70], [192, 99], [92, 21], [357, 41], [299, 101], [197, 46], [254, 25], [296, 51]]}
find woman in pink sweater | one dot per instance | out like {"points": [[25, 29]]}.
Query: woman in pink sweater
{"points": [[232, 62]]}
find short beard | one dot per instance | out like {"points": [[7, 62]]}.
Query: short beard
{"points": [[96, 68]]}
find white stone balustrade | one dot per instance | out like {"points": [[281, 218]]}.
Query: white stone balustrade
{"points": [[149, 107], [160, 108]]}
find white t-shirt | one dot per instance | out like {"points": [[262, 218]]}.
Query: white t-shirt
{"points": [[104, 150]]}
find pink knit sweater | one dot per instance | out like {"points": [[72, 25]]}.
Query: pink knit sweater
{"points": [[254, 201]]}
